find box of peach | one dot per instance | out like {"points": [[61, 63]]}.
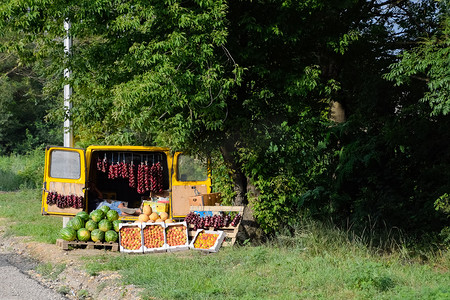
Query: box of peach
{"points": [[177, 236], [130, 237], [207, 240], [154, 237]]}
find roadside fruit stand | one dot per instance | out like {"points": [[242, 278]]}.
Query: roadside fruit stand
{"points": [[204, 229], [136, 199]]}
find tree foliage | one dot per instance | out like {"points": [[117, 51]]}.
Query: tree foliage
{"points": [[428, 62], [254, 81], [23, 109]]}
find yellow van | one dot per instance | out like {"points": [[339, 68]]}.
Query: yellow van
{"points": [[77, 179]]}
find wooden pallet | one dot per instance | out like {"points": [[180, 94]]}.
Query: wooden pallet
{"points": [[64, 245], [230, 231]]}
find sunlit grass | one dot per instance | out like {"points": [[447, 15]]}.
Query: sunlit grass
{"points": [[21, 212], [304, 268]]}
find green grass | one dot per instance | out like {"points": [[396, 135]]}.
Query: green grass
{"points": [[21, 211], [316, 262], [50, 271]]}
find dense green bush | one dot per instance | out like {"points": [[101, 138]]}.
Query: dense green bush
{"points": [[22, 171]]}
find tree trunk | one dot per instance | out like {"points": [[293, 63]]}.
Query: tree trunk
{"points": [[237, 176], [249, 229], [337, 112]]}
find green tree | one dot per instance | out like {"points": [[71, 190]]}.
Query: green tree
{"points": [[428, 62], [392, 154], [23, 125]]}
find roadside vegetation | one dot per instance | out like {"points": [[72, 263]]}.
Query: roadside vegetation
{"points": [[20, 214], [329, 118], [312, 261], [22, 171]]}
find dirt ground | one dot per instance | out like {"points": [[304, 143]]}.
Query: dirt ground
{"points": [[73, 281]]}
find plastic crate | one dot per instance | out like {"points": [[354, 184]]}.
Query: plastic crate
{"points": [[124, 238], [173, 246], [157, 242], [217, 244]]}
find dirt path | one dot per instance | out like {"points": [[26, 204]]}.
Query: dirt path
{"points": [[72, 281], [15, 284]]}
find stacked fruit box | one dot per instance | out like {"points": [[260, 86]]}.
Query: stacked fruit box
{"points": [[177, 236], [207, 240], [154, 237], [130, 238]]}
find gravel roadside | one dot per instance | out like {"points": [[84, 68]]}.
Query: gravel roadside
{"points": [[16, 284]]}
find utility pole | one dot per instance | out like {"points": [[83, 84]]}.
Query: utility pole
{"points": [[68, 130]]}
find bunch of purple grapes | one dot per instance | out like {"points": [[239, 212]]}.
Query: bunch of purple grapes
{"points": [[236, 220], [63, 201], [75, 201], [215, 221], [51, 198], [194, 219]]}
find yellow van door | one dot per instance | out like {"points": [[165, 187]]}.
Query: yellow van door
{"points": [[64, 181], [190, 177]]}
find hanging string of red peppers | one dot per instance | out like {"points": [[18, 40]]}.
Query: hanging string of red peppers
{"points": [[149, 178]]}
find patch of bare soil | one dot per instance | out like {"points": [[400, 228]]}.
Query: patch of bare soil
{"points": [[74, 282]]}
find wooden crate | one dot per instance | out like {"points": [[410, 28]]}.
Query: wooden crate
{"points": [[230, 231], [64, 245]]}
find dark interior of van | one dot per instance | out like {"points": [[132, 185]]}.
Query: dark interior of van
{"points": [[117, 187]]}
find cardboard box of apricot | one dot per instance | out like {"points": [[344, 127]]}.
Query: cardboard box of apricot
{"points": [[207, 240]]}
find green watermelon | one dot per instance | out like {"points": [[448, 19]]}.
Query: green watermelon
{"points": [[97, 215], [69, 224], [104, 225], [111, 236], [83, 235], [116, 225], [77, 223], [91, 225], [105, 208], [68, 234], [83, 215], [112, 215], [97, 235]]}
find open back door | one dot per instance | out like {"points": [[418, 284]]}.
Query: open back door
{"points": [[64, 177], [190, 177]]}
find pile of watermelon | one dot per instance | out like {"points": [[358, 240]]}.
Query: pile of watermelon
{"points": [[100, 225]]}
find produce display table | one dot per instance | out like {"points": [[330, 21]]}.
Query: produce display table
{"points": [[230, 231]]}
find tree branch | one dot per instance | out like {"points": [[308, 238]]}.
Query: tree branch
{"points": [[425, 79]]}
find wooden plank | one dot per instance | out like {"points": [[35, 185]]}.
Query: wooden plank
{"points": [[69, 210], [239, 209], [64, 245], [67, 188]]}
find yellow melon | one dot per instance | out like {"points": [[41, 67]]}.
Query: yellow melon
{"points": [[164, 216], [147, 210], [143, 218], [159, 221], [154, 216], [169, 221]]}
